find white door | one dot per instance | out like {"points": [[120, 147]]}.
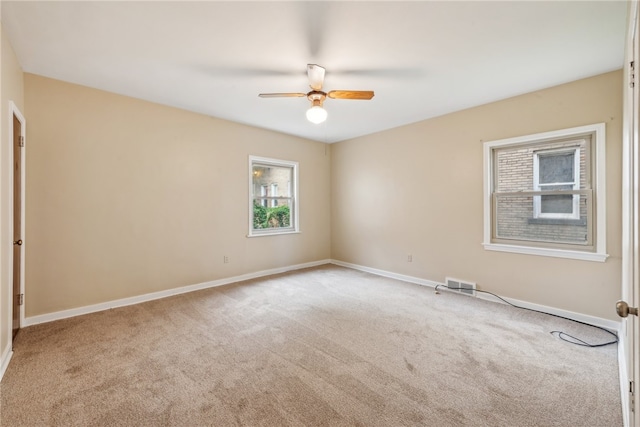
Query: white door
{"points": [[631, 227]]}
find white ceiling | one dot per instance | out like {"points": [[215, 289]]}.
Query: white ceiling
{"points": [[422, 58]]}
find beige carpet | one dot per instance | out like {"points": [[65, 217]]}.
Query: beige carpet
{"points": [[327, 346]]}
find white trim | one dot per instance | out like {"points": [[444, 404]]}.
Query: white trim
{"points": [[628, 350], [591, 320], [295, 226], [4, 360], [389, 274], [598, 179], [50, 317], [601, 188], [487, 183], [14, 110], [611, 325], [557, 253], [274, 233], [547, 136], [58, 315], [23, 212]]}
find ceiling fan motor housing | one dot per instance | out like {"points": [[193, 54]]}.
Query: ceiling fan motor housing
{"points": [[316, 95]]}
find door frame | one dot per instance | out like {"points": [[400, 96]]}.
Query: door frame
{"points": [[15, 111], [629, 344]]}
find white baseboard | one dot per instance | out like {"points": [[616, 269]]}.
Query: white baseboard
{"points": [[591, 320], [49, 317], [611, 325], [389, 274], [64, 314], [605, 323], [4, 359]]}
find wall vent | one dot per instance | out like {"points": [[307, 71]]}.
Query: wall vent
{"points": [[461, 287]]}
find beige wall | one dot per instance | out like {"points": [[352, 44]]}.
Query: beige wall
{"points": [[11, 89], [126, 197], [418, 190]]}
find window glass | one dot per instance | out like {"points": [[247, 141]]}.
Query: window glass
{"points": [[558, 170], [556, 167]]}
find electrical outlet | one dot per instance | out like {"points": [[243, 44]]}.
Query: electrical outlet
{"points": [[225, 259], [409, 258]]}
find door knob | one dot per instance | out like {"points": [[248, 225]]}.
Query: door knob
{"points": [[18, 242], [624, 310]]}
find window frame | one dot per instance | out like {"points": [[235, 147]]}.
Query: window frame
{"points": [[597, 251], [537, 200], [293, 197]]}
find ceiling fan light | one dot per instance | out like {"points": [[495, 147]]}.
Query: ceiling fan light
{"points": [[316, 114]]}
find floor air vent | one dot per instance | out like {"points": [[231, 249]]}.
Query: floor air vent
{"points": [[461, 287]]}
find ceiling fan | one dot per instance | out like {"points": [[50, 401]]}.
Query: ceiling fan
{"points": [[316, 114]]}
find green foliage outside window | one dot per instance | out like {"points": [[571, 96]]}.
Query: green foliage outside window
{"points": [[265, 217]]}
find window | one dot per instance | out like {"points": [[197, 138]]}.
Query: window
{"points": [[557, 169], [271, 212], [545, 194]]}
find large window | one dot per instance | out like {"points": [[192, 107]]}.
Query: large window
{"points": [[545, 194], [272, 211]]}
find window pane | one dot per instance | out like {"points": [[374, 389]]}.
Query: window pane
{"points": [[515, 221], [512, 214], [514, 169], [271, 213], [267, 178], [561, 203], [556, 167]]}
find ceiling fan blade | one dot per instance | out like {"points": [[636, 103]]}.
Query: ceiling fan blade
{"points": [[282, 95], [351, 94], [316, 76]]}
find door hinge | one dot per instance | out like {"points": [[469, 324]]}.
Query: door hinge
{"points": [[21, 299], [632, 400], [632, 74], [22, 141]]}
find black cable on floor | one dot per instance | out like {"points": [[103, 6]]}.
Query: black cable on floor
{"points": [[562, 335]]}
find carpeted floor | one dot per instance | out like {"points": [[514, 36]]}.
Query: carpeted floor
{"points": [[327, 346]]}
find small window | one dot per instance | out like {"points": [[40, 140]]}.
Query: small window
{"points": [[545, 194], [271, 212], [557, 170]]}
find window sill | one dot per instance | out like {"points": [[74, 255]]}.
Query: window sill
{"points": [[273, 233], [556, 253]]}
